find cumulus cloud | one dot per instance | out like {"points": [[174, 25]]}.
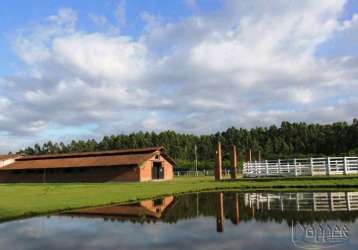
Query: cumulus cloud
{"points": [[247, 64]]}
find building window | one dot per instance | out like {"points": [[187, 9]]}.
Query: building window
{"points": [[157, 157]]}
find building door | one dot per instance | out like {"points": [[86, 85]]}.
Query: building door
{"points": [[157, 171]]}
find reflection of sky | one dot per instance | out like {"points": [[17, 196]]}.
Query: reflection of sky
{"points": [[200, 233], [65, 232]]}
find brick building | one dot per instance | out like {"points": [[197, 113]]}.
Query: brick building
{"points": [[145, 164], [149, 209]]}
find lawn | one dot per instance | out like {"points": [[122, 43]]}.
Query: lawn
{"points": [[18, 200]]}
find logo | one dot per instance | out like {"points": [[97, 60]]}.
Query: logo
{"points": [[316, 236]]}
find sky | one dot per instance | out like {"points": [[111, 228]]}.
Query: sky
{"points": [[79, 69]]}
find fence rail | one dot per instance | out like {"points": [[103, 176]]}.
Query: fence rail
{"points": [[322, 201], [194, 173], [302, 167], [225, 172]]}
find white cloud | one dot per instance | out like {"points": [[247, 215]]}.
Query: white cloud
{"points": [[98, 55], [209, 104], [152, 122], [303, 95], [64, 16], [248, 64], [98, 20]]}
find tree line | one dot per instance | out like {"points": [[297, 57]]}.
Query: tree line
{"points": [[286, 141]]}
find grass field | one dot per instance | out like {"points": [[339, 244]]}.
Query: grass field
{"points": [[21, 200]]}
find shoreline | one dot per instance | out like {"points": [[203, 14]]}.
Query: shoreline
{"points": [[19, 201]]}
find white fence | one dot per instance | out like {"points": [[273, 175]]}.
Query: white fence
{"points": [[302, 167], [194, 173], [199, 173], [225, 172], [320, 201]]}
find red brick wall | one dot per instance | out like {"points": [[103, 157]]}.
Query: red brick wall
{"points": [[146, 169], [96, 174], [92, 174]]}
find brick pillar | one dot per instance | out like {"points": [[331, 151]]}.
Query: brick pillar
{"points": [[220, 213], [233, 162], [236, 209], [248, 155], [218, 163]]}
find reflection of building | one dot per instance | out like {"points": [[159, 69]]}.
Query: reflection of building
{"points": [[153, 209], [117, 165], [317, 201]]}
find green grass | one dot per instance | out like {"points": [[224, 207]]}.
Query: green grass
{"points": [[21, 200]]}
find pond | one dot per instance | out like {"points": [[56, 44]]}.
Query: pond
{"points": [[221, 220]]}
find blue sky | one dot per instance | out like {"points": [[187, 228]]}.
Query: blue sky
{"points": [[34, 10], [84, 69]]}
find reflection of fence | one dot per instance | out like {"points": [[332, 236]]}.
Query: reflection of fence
{"points": [[302, 167], [320, 201]]}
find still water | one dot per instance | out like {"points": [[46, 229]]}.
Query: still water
{"points": [[226, 220]]}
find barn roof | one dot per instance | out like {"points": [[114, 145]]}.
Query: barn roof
{"points": [[125, 211], [7, 157], [126, 157]]}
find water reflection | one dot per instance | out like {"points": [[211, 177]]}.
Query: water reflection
{"points": [[147, 210], [317, 201], [302, 207], [220, 213], [222, 220]]}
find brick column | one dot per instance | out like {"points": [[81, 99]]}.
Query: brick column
{"points": [[233, 162], [220, 213], [248, 155], [218, 163], [236, 209]]}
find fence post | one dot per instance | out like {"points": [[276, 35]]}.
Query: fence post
{"points": [[268, 202], [267, 170], [294, 165], [218, 162], [233, 162], [311, 166], [345, 165], [297, 202], [348, 201], [328, 166], [331, 202], [257, 171], [279, 166]]}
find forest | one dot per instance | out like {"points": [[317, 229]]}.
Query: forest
{"points": [[286, 141]]}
